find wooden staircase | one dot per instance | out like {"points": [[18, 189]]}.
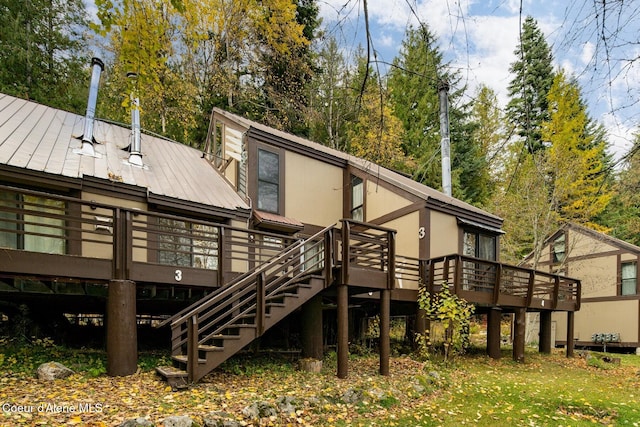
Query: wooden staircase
{"points": [[218, 326]]}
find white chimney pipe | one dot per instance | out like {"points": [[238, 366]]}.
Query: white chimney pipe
{"points": [[445, 141], [87, 135], [135, 156]]}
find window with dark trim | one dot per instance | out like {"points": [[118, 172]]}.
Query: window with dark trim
{"points": [[268, 191], [186, 244], [32, 223], [559, 248], [357, 198], [628, 278], [479, 245]]}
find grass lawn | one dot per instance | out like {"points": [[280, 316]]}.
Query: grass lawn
{"points": [[546, 390]]}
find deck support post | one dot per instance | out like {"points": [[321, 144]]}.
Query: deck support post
{"points": [[494, 335], [544, 343], [122, 339], [520, 321], [385, 324], [343, 331], [312, 328], [570, 330]]}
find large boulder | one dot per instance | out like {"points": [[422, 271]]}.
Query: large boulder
{"points": [[178, 421], [137, 422], [52, 371]]}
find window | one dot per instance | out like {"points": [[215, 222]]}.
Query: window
{"points": [[559, 248], [357, 198], [629, 275], [184, 244], [268, 181], [32, 223], [479, 245]]}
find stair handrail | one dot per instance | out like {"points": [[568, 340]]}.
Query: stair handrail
{"points": [[222, 292]]}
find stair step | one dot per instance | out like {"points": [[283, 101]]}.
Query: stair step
{"points": [[175, 377], [182, 358], [283, 295], [225, 337], [171, 372], [210, 348]]}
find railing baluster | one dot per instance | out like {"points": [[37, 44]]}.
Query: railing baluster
{"points": [[260, 303], [192, 347]]}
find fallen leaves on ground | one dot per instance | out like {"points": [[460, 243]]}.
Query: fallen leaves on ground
{"points": [[547, 390]]}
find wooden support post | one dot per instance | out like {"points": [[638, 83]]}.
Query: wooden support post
{"points": [[520, 321], [544, 342], [343, 331], [570, 330], [312, 328], [494, 336], [122, 338], [385, 325]]}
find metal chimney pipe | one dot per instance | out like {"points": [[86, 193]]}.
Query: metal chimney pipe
{"points": [[87, 135], [445, 141], [135, 155]]}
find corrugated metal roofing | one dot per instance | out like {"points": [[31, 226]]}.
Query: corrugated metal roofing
{"points": [[44, 139], [394, 178]]}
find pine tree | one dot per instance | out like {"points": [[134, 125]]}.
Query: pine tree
{"points": [[622, 215], [331, 100], [43, 53], [528, 90], [413, 86], [565, 182]]}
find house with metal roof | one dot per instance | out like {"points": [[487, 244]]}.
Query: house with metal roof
{"points": [[227, 242], [608, 270]]}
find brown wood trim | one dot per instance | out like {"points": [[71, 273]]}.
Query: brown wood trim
{"points": [[611, 298], [583, 257], [33, 263], [20, 176], [399, 213], [295, 147], [367, 278], [167, 274], [424, 244]]}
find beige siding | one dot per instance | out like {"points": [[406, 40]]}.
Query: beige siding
{"points": [[602, 317], [313, 190], [381, 201], [96, 249], [407, 234], [581, 245], [444, 234], [598, 275]]}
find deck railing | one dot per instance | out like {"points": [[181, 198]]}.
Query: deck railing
{"points": [[492, 283], [46, 234]]}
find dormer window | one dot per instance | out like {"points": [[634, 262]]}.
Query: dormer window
{"points": [[559, 248]]}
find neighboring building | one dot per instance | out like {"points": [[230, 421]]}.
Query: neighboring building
{"points": [[608, 269], [259, 224]]}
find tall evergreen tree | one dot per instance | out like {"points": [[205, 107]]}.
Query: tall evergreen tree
{"points": [[622, 215], [562, 183], [331, 100], [413, 86], [528, 90], [42, 51]]}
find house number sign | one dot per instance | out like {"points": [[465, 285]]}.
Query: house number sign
{"points": [[178, 275], [421, 233]]}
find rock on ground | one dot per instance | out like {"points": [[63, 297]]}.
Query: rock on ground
{"points": [[52, 371]]}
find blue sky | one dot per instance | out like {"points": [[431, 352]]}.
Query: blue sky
{"points": [[479, 39]]}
